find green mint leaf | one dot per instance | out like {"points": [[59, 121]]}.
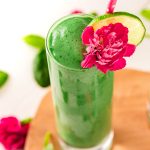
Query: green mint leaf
{"points": [[47, 142], [35, 41], [146, 13], [40, 69], [3, 78], [26, 121]]}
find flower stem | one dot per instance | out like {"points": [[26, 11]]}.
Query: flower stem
{"points": [[111, 6]]}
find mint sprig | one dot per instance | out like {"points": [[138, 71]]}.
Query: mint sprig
{"points": [[35, 41], [3, 78]]}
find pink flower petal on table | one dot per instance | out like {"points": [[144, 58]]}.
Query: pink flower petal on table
{"points": [[19, 144], [130, 49], [9, 120], [10, 140], [12, 133], [24, 129], [119, 64], [89, 61], [11, 124], [87, 35]]}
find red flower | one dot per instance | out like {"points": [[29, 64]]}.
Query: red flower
{"points": [[76, 12], [13, 133], [107, 47]]}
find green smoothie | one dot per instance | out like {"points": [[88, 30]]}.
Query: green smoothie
{"points": [[82, 97]]}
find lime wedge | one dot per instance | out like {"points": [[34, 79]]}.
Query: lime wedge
{"points": [[133, 23]]}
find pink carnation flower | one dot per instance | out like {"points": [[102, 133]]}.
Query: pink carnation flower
{"points": [[13, 133], [107, 47], [76, 12]]}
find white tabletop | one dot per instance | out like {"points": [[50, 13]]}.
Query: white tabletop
{"points": [[21, 96]]}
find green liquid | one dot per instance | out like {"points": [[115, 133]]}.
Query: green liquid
{"points": [[65, 41], [82, 97]]}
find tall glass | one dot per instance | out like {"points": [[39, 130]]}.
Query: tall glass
{"points": [[83, 105]]}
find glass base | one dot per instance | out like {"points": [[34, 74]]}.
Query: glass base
{"points": [[106, 144]]}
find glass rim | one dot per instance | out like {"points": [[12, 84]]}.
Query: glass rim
{"points": [[48, 51]]}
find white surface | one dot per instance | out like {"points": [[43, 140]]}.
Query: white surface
{"points": [[21, 96]]}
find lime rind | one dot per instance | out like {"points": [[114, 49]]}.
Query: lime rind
{"points": [[136, 27]]}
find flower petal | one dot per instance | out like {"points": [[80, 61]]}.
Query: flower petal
{"points": [[104, 31], [107, 47], [24, 129], [119, 64], [18, 145], [87, 35], [11, 124], [89, 61], [130, 49], [103, 69], [76, 12], [12, 133], [121, 32]]}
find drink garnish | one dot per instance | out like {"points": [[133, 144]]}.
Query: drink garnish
{"points": [[110, 38]]}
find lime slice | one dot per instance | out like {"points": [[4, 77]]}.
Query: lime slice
{"points": [[133, 23]]}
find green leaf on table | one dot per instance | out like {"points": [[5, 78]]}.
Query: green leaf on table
{"points": [[35, 41], [47, 142], [40, 69], [26, 121], [146, 13], [3, 78]]}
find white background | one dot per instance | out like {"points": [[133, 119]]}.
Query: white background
{"points": [[21, 95]]}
